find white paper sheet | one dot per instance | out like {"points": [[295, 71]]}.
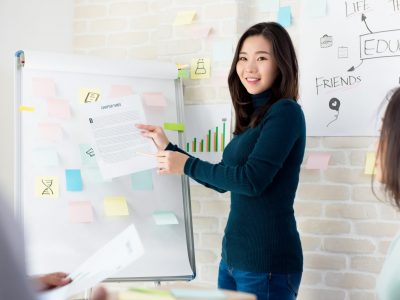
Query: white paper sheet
{"points": [[114, 256], [116, 140]]}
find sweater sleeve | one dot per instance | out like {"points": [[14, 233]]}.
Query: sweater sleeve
{"points": [[281, 128], [172, 147]]}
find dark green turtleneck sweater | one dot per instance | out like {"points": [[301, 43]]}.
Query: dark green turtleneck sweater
{"points": [[260, 167]]}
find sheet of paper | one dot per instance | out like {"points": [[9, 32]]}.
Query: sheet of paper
{"points": [[118, 91], [174, 126], [200, 68], [88, 157], [142, 181], [80, 212], [50, 132], [113, 257], [89, 95], [43, 87], [115, 206], [370, 161], [285, 16], [74, 180], [318, 161], [154, 100], [269, 6], [58, 108], [45, 157], [184, 17], [47, 187], [198, 294], [115, 138], [315, 8], [165, 218]]}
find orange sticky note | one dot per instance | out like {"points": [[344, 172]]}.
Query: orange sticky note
{"points": [[318, 161], [120, 91], [58, 109], [154, 100], [50, 132], [80, 212], [43, 87]]}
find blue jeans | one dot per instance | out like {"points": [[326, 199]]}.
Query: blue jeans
{"points": [[266, 286]]}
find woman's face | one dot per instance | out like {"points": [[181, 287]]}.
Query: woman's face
{"points": [[256, 66]]}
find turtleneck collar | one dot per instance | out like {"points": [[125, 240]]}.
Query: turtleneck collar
{"points": [[260, 99]]}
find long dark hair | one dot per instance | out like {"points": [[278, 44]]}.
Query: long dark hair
{"points": [[286, 84], [389, 148]]}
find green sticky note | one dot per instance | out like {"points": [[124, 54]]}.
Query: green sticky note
{"points": [[88, 157], [183, 73], [174, 126], [165, 218], [142, 181]]}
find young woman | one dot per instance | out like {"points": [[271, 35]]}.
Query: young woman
{"points": [[261, 249], [388, 172]]}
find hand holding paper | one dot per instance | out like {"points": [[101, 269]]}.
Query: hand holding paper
{"points": [[156, 133], [171, 162]]}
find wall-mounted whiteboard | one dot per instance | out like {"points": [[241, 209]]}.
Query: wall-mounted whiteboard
{"points": [[349, 59], [68, 210]]}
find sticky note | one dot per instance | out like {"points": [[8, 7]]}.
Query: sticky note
{"points": [[80, 212], [26, 108], [58, 109], [200, 68], [315, 8], [88, 158], [184, 17], [50, 131], [93, 175], [89, 95], [43, 87], [269, 6], [370, 161], [318, 161], [285, 16], [120, 91], [201, 31], [198, 294], [47, 187], [145, 295], [165, 218], [183, 73], [156, 100], [115, 206], [222, 50], [74, 180], [45, 157], [142, 181], [174, 126]]}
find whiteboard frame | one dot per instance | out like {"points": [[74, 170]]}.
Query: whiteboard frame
{"points": [[18, 203]]}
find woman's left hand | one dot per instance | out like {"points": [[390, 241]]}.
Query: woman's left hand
{"points": [[52, 280], [171, 162]]}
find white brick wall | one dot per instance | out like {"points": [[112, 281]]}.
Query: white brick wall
{"points": [[345, 231]]}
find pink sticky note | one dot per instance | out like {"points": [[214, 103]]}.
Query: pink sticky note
{"points": [[154, 99], [49, 131], [58, 109], [318, 161], [80, 212], [120, 91], [43, 87]]}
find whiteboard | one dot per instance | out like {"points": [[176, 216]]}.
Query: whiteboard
{"points": [[349, 59], [54, 242]]}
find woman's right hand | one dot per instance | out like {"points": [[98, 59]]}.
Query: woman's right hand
{"points": [[156, 133]]}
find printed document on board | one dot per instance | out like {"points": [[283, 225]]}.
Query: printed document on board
{"points": [[116, 141]]}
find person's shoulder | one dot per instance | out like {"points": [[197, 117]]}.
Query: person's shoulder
{"points": [[286, 106]]}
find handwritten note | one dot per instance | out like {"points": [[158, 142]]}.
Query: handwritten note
{"points": [[80, 212], [318, 161], [142, 181], [285, 16], [200, 68], [184, 17], [370, 161], [43, 87], [165, 218], [115, 206], [74, 180], [156, 100], [58, 109], [47, 187]]}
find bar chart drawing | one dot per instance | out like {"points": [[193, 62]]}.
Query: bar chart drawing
{"points": [[208, 130]]}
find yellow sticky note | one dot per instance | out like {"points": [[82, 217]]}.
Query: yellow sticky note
{"points": [[47, 187], [26, 108], [184, 17], [89, 95], [115, 206], [200, 68], [370, 163], [174, 126]]}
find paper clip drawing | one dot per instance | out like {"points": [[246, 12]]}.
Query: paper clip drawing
{"points": [[334, 104]]}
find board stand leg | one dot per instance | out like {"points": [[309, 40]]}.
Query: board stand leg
{"points": [[157, 283], [87, 294]]}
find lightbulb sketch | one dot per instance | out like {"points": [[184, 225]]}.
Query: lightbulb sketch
{"points": [[334, 104]]}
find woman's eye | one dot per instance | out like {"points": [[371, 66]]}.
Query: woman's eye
{"points": [[262, 58], [242, 58]]}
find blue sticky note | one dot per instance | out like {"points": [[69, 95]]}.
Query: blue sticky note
{"points": [[88, 157], [165, 218], [315, 8], [285, 16], [74, 180], [198, 294], [269, 6], [142, 181]]}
